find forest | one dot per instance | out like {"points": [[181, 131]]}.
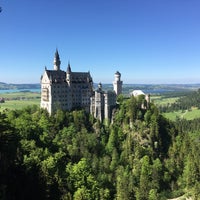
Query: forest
{"points": [[140, 155], [186, 102]]}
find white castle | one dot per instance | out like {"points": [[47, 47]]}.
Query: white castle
{"points": [[67, 90]]}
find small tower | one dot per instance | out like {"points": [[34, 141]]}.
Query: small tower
{"points": [[117, 84], [57, 61], [99, 103], [68, 73], [99, 87]]}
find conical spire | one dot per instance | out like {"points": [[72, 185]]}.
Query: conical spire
{"points": [[57, 55], [69, 68], [68, 73], [57, 61]]}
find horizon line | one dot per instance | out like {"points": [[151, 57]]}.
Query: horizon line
{"points": [[138, 83]]}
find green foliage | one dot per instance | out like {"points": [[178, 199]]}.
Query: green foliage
{"points": [[153, 195], [186, 102], [71, 155], [190, 114]]}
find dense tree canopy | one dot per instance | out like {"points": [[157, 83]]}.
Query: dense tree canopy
{"points": [[71, 155], [185, 102]]}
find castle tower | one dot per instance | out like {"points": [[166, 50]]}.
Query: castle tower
{"points": [[100, 87], [117, 83], [68, 74], [57, 61], [99, 103]]}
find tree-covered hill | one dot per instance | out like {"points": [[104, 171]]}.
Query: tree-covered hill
{"points": [[186, 102], [71, 155]]}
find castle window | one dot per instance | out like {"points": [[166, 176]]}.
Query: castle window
{"points": [[45, 94]]}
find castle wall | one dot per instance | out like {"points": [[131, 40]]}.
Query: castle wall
{"points": [[57, 93], [69, 90]]}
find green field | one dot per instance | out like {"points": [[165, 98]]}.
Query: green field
{"points": [[20, 95], [18, 104], [163, 101], [187, 114], [19, 100]]}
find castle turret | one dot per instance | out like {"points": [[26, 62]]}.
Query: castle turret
{"points": [[99, 87], [68, 73], [117, 83], [57, 61], [99, 103]]}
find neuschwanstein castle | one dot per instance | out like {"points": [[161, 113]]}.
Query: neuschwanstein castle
{"points": [[68, 90]]}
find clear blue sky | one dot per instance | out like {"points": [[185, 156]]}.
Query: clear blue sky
{"points": [[148, 41]]}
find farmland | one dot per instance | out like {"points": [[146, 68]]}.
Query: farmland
{"points": [[186, 114], [180, 111], [19, 100]]}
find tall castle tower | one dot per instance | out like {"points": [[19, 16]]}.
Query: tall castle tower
{"points": [[117, 83], [57, 61], [99, 103]]}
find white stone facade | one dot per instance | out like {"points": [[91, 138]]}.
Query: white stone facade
{"points": [[67, 90]]}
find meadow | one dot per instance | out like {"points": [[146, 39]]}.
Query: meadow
{"points": [[161, 100], [20, 95], [186, 114], [190, 114], [19, 100]]}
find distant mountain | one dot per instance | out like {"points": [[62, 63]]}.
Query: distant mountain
{"points": [[11, 86]]}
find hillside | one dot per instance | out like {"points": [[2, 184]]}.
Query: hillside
{"points": [[71, 155], [185, 103]]}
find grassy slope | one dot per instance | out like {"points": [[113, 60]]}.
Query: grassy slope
{"points": [[20, 95], [187, 114], [19, 100], [162, 101], [18, 104]]}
